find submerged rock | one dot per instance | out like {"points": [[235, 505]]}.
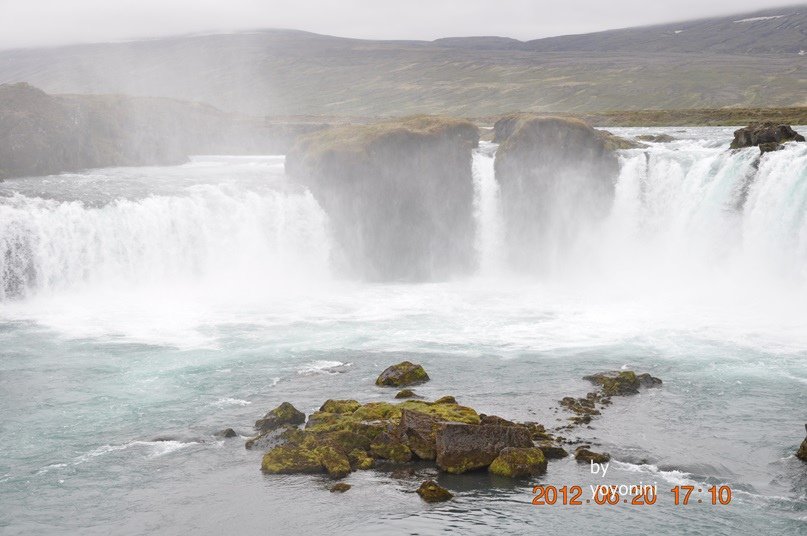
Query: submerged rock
{"points": [[404, 373], [340, 487], [767, 136], [285, 413], [226, 433], [655, 138], [519, 462], [462, 447], [583, 455], [398, 194], [431, 492], [622, 383], [556, 178], [802, 452]]}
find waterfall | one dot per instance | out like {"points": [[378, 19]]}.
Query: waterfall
{"points": [[219, 234], [487, 211]]}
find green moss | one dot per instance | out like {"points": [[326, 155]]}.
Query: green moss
{"points": [[336, 463], [359, 459], [432, 492], [340, 487], [404, 373], [291, 459], [519, 463], [285, 413], [377, 411], [443, 411], [448, 399], [388, 447], [339, 406]]}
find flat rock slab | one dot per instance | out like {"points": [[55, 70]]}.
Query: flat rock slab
{"points": [[465, 447]]}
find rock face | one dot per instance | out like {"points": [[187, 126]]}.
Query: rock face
{"points": [[285, 413], [557, 179], [767, 136], [42, 134], [404, 373], [802, 452], [430, 491], [519, 463], [462, 447], [399, 195]]}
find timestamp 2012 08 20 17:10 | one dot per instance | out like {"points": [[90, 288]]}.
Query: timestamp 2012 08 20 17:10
{"points": [[645, 495]]}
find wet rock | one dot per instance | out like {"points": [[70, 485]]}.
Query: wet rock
{"points": [[389, 447], [335, 463], [448, 399], [655, 138], [384, 187], [583, 455], [340, 406], [285, 413], [462, 447], [406, 393], [226, 433], [767, 136], [340, 487], [290, 459], [419, 432], [519, 462], [622, 383], [272, 438], [402, 473], [404, 373], [359, 459], [552, 451], [432, 492], [802, 452]]}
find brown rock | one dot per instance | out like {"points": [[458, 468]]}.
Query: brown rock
{"points": [[431, 492], [465, 447]]}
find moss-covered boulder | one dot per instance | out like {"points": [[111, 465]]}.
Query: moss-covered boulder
{"points": [[431, 492], [519, 462], [406, 393], [290, 459], [583, 455], [340, 487], [339, 406], [335, 462], [448, 399], [384, 187], [622, 383], [402, 374], [556, 178], [390, 447], [273, 438], [767, 136], [285, 413], [359, 459], [552, 451], [802, 452], [463, 447]]}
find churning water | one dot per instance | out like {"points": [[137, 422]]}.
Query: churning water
{"points": [[142, 309]]}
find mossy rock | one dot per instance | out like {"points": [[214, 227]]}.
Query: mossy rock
{"points": [[552, 452], [431, 492], [402, 374], [359, 459], [802, 452], [388, 447], [275, 438], [339, 406], [584, 455], [519, 463], [226, 433], [335, 463], [406, 393], [285, 413], [291, 459], [622, 383], [340, 487], [448, 399]]}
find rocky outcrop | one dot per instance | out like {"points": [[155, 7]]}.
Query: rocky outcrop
{"points": [[404, 373], [399, 195], [767, 136], [462, 447], [557, 179], [519, 462], [802, 452], [430, 491], [285, 413], [621, 383], [42, 134]]}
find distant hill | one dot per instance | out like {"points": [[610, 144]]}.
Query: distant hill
{"points": [[748, 60]]}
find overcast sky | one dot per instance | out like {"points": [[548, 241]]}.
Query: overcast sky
{"points": [[52, 22]]}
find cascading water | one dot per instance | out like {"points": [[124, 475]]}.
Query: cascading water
{"points": [[487, 210]]}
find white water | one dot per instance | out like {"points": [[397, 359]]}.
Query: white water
{"points": [[487, 211]]}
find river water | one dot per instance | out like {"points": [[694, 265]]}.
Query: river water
{"points": [[143, 309]]}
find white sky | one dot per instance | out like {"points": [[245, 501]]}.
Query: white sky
{"points": [[26, 23]]}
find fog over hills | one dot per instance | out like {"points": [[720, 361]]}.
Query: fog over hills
{"points": [[753, 60]]}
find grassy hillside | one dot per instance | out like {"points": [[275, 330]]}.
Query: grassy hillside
{"points": [[278, 72]]}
